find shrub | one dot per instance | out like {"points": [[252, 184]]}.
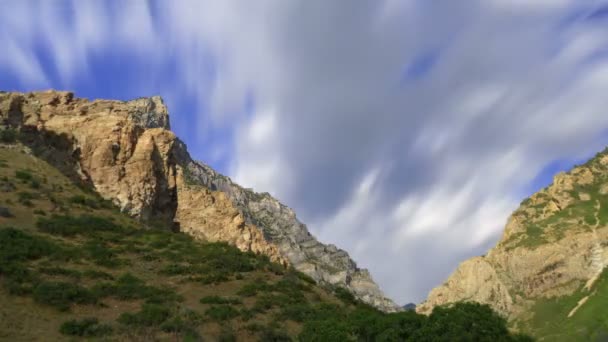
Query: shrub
{"points": [[26, 198], [40, 212], [219, 300], [85, 201], [325, 330], [35, 184], [149, 315], [222, 312], [101, 254], [60, 271], [129, 287], [252, 288], [24, 175], [16, 245], [6, 212], [227, 335], [274, 335], [87, 327], [345, 295], [93, 274], [65, 225], [61, 295], [298, 312], [8, 136]]}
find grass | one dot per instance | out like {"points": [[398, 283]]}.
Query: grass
{"points": [[550, 320]]}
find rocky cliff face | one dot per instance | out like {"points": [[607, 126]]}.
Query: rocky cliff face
{"points": [[126, 151], [554, 245]]}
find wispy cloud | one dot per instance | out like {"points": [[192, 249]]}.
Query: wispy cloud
{"points": [[402, 131]]}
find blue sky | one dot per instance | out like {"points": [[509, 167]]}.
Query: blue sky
{"points": [[403, 131]]}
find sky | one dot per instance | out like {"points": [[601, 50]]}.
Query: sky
{"points": [[403, 131]]}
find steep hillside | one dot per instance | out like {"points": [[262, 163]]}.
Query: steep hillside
{"points": [[73, 266], [126, 152], [547, 272]]}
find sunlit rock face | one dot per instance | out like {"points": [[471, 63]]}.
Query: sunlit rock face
{"points": [[126, 151], [553, 245]]}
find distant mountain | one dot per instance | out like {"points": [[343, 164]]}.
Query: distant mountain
{"points": [[409, 307], [547, 273]]}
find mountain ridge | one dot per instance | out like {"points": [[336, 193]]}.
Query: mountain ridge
{"points": [[127, 153]]}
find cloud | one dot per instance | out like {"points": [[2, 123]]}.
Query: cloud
{"points": [[402, 131]]}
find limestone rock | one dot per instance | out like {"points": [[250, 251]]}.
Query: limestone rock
{"points": [[126, 151]]}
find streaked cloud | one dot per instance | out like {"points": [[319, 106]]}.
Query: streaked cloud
{"points": [[402, 131]]}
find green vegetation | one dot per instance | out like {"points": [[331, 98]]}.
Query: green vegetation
{"points": [[8, 136], [69, 256], [150, 315], [219, 300], [62, 295], [222, 312], [69, 226], [87, 327], [549, 316]]}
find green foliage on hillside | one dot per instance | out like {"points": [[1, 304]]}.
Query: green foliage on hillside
{"points": [[549, 316], [83, 270]]}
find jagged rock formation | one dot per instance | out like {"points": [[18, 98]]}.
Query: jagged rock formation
{"points": [[554, 245], [126, 151]]}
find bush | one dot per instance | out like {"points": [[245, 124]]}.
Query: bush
{"points": [[65, 225], [101, 254], [24, 175], [35, 184], [6, 212], [325, 330], [85, 201], [222, 312], [62, 295], [60, 271], [26, 198], [87, 327], [219, 300], [129, 287], [251, 289], [16, 245], [345, 295], [8, 136], [93, 274], [40, 212], [274, 335], [149, 315]]}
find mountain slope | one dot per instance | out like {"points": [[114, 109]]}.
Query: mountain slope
{"points": [[127, 153], [552, 255], [74, 267]]}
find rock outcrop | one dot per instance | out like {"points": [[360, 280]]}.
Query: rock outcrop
{"points": [[554, 244], [126, 151]]}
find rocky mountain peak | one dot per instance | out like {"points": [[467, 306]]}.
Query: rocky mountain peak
{"points": [[127, 153]]}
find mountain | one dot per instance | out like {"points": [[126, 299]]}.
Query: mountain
{"points": [[547, 272], [127, 153], [110, 232]]}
